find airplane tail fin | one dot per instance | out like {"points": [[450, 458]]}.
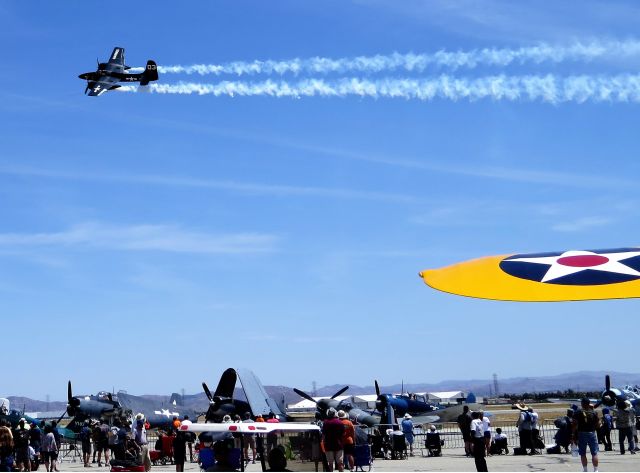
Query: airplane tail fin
{"points": [[150, 73], [175, 397]]}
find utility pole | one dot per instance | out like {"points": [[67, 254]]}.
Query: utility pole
{"points": [[495, 385]]}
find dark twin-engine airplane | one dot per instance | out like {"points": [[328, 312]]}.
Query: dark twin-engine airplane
{"points": [[110, 73]]}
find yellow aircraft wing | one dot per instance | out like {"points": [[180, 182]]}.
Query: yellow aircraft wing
{"points": [[543, 277]]}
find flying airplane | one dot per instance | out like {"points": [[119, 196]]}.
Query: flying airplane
{"points": [[110, 73], [258, 402], [543, 277]]}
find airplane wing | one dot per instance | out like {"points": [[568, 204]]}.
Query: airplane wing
{"points": [[227, 384], [418, 420], [250, 428], [101, 85], [116, 60], [259, 401], [137, 404], [543, 277]]}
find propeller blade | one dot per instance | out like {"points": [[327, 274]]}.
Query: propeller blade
{"points": [[207, 391], [607, 382], [69, 392], [61, 416], [304, 395], [339, 392], [377, 387]]}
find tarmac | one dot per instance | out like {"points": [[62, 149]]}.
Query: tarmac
{"points": [[452, 460]]}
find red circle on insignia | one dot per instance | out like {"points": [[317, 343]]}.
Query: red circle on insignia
{"points": [[583, 261]]}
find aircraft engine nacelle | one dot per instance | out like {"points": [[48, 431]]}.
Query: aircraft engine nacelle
{"points": [[610, 398]]}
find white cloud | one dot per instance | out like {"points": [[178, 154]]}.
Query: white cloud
{"points": [[246, 188], [581, 224], [144, 237]]}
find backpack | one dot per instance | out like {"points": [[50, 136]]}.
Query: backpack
{"points": [[587, 420]]}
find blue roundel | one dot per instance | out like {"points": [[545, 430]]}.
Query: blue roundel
{"points": [[586, 270]]}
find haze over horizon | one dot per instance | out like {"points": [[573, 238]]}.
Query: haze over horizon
{"points": [[271, 204]]}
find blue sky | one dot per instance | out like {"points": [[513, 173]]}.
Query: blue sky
{"points": [[174, 233]]}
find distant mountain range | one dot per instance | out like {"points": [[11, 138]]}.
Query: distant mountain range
{"points": [[578, 381]]}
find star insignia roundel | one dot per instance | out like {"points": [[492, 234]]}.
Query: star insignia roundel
{"points": [[576, 268]]}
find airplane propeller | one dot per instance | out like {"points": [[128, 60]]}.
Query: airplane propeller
{"points": [[218, 406], [609, 397], [207, 391], [72, 402]]}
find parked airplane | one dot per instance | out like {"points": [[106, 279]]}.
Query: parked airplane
{"points": [[258, 401], [355, 414], [560, 276], [13, 415], [80, 408], [612, 396], [109, 406], [395, 406], [110, 73]]}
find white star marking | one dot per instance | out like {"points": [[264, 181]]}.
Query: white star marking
{"points": [[558, 270]]}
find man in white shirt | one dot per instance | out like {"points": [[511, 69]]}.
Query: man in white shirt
{"points": [[477, 437], [499, 443]]}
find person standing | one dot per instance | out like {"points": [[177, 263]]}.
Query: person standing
{"points": [[535, 431], [486, 425], [35, 440], [626, 416], [49, 449], [250, 440], [6, 447], [332, 431], [464, 424], [140, 438], [179, 449], [407, 429], [21, 445], [477, 436], [585, 426], [85, 439], [605, 430], [190, 438], [524, 429], [348, 439], [272, 437]]}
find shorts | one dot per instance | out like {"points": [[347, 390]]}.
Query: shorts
{"points": [[466, 436], [22, 455], [86, 448], [250, 442], [487, 434], [46, 456], [590, 439], [334, 456]]}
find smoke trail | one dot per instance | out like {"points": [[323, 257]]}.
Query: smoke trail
{"points": [[548, 88], [500, 57]]}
